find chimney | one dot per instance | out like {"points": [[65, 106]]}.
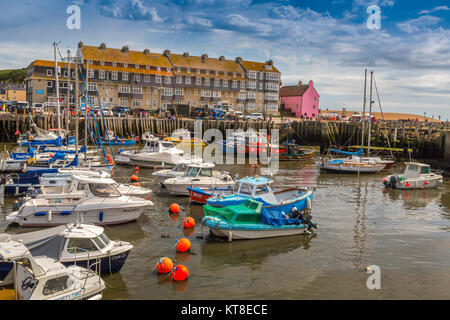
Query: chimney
{"points": [[310, 83], [269, 63], [222, 58], [186, 54], [166, 52], [80, 45], [204, 57], [146, 52], [238, 60], [125, 49], [102, 46], [300, 83]]}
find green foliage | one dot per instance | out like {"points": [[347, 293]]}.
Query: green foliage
{"points": [[13, 75]]}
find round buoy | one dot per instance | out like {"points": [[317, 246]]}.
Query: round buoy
{"points": [[407, 185], [164, 265], [108, 156], [384, 179], [183, 245], [180, 273], [174, 208], [136, 184], [188, 222], [425, 183], [137, 168], [134, 178]]}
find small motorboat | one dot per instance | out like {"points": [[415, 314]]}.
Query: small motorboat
{"points": [[260, 189], [95, 200], [182, 137], [250, 220], [201, 176], [178, 170], [76, 244], [201, 195], [116, 141], [24, 277], [45, 138], [416, 176], [294, 152]]}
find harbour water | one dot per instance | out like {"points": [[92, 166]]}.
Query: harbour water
{"points": [[405, 233]]}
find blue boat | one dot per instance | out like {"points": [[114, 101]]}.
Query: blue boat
{"points": [[250, 220], [260, 189], [57, 142]]}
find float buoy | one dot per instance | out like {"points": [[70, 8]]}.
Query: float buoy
{"points": [[174, 208], [407, 185], [164, 265], [425, 183], [134, 178], [384, 179], [136, 184], [183, 245], [188, 222], [180, 273]]}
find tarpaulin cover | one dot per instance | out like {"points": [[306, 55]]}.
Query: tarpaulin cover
{"points": [[357, 153], [276, 218], [54, 142], [47, 242], [336, 161]]}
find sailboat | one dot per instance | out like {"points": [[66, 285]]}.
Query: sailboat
{"points": [[356, 162]]}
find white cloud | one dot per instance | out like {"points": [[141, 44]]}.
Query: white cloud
{"points": [[439, 8], [414, 25]]}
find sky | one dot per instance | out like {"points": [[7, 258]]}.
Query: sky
{"points": [[324, 41]]}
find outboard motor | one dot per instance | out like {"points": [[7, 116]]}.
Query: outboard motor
{"points": [[3, 179], [392, 183]]}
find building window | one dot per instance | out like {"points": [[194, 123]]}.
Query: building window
{"points": [[91, 74], [111, 88], [206, 81], [114, 64], [155, 91], [101, 74], [125, 65], [137, 77], [102, 63], [148, 89], [123, 102], [314, 99], [260, 86], [179, 69], [158, 68], [188, 80], [217, 73], [242, 84], [167, 92], [178, 91], [225, 83], [154, 103], [147, 67], [158, 78], [167, 80], [261, 76], [114, 75], [194, 103], [195, 92], [148, 102], [260, 95], [124, 76], [137, 89], [146, 78], [198, 71], [188, 70], [198, 81], [49, 84], [137, 66], [103, 87], [234, 84], [216, 83], [179, 79], [207, 71], [136, 103], [92, 86]]}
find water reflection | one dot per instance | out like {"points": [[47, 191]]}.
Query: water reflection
{"points": [[414, 199], [116, 287], [218, 251], [359, 225]]}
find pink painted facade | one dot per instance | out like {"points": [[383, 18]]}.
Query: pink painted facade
{"points": [[301, 100]]}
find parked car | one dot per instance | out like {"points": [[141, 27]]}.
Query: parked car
{"points": [[238, 114], [139, 111], [37, 108], [256, 116], [121, 111]]}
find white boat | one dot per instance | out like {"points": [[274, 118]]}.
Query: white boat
{"points": [[415, 176], [178, 170], [201, 176], [24, 277], [352, 165], [94, 200], [76, 244], [154, 152]]}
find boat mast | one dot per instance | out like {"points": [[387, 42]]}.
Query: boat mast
{"points": [[86, 103], [57, 91], [364, 108], [68, 94], [370, 113], [77, 104]]}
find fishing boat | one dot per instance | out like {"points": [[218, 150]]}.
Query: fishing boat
{"points": [[95, 200], [415, 176], [24, 277], [155, 152], [76, 244], [178, 170], [294, 152], [350, 165], [45, 138], [260, 189], [199, 175], [250, 220], [116, 141]]}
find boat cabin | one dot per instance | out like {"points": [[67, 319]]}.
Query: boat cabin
{"points": [[254, 187], [199, 170], [156, 145], [415, 170]]}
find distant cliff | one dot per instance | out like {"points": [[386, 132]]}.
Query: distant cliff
{"points": [[13, 75]]}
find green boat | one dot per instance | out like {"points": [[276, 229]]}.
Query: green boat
{"points": [[249, 220]]}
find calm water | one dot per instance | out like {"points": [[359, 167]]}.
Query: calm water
{"points": [[407, 234]]}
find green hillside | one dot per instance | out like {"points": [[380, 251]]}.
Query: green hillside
{"points": [[13, 75]]}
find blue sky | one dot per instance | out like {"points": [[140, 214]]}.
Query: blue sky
{"points": [[324, 41]]}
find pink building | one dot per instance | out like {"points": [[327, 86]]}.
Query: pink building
{"points": [[300, 100]]}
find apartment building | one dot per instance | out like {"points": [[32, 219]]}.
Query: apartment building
{"points": [[12, 92], [143, 79]]}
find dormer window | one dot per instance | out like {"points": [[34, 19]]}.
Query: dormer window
{"points": [[234, 74], [90, 62], [102, 63], [147, 67], [188, 70], [137, 66], [158, 68], [114, 64], [198, 71], [225, 73], [125, 65], [179, 69], [207, 72], [217, 73]]}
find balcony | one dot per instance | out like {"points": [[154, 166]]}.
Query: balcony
{"points": [[130, 95]]}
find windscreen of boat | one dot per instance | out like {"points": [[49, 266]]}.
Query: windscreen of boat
{"points": [[192, 171], [206, 172], [99, 242], [167, 145], [246, 189], [104, 190], [262, 189], [81, 245], [425, 170]]}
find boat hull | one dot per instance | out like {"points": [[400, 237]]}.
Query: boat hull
{"points": [[342, 168], [108, 264]]}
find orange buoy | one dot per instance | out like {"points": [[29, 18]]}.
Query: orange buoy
{"points": [[188, 222], [174, 208], [136, 184], [183, 245], [384, 179], [180, 273], [108, 156], [164, 265], [137, 168], [134, 178]]}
